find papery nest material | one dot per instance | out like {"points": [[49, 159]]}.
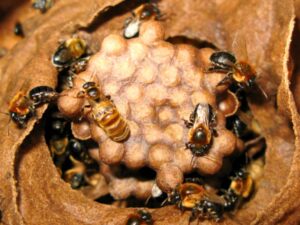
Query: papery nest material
{"points": [[194, 19]]}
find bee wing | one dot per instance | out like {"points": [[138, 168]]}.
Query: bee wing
{"points": [[214, 198], [14, 87], [239, 47], [202, 115]]}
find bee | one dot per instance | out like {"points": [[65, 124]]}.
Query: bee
{"points": [[196, 198], [141, 218], [77, 180], [201, 125], [79, 151], [242, 183], [105, 113], [18, 30], [240, 75], [145, 12], [76, 175], [69, 52], [237, 72], [21, 109], [42, 94], [58, 123], [42, 5], [107, 116], [241, 187], [238, 127], [58, 145]]}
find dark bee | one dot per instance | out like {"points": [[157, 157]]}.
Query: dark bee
{"points": [[58, 145], [240, 188], [237, 72], [77, 180], [141, 218], [231, 200], [242, 184], [208, 209], [144, 12], [21, 109], [196, 198], [18, 30], [76, 175], [65, 82], [201, 124], [42, 94], [79, 151], [79, 65], [69, 52], [58, 123], [235, 124], [105, 113], [42, 5]]}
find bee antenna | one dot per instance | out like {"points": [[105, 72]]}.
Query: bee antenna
{"points": [[164, 202], [147, 200], [264, 93]]}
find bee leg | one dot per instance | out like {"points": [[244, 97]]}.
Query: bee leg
{"points": [[192, 118], [236, 131], [200, 151], [213, 120], [188, 145], [61, 41], [80, 94], [226, 81], [214, 132], [196, 180], [193, 215], [216, 69], [188, 124]]}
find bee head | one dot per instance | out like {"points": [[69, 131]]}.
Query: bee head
{"points": [[251, 82], [241, 174], [88, 85], [174, 197]]}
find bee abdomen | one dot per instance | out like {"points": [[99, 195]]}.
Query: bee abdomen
{"points": [[114, 125], [118, 130]]}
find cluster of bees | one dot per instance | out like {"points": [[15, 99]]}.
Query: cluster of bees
{"points": [[71, 57], [69, 154], [193, 194]]}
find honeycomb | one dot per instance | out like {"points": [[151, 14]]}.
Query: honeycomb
{"points": [[155, 85]]}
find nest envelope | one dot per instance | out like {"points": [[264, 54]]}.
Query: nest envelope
{"points": [[32, 192]]}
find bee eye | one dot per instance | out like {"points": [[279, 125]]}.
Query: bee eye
{"points": [[93, 93], [76, 181], [251, 82], [145, 14]]}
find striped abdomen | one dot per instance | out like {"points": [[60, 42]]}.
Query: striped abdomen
{"points": [[109, 119]]}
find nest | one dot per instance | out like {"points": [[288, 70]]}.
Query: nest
{"points": [[155, 81]]}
